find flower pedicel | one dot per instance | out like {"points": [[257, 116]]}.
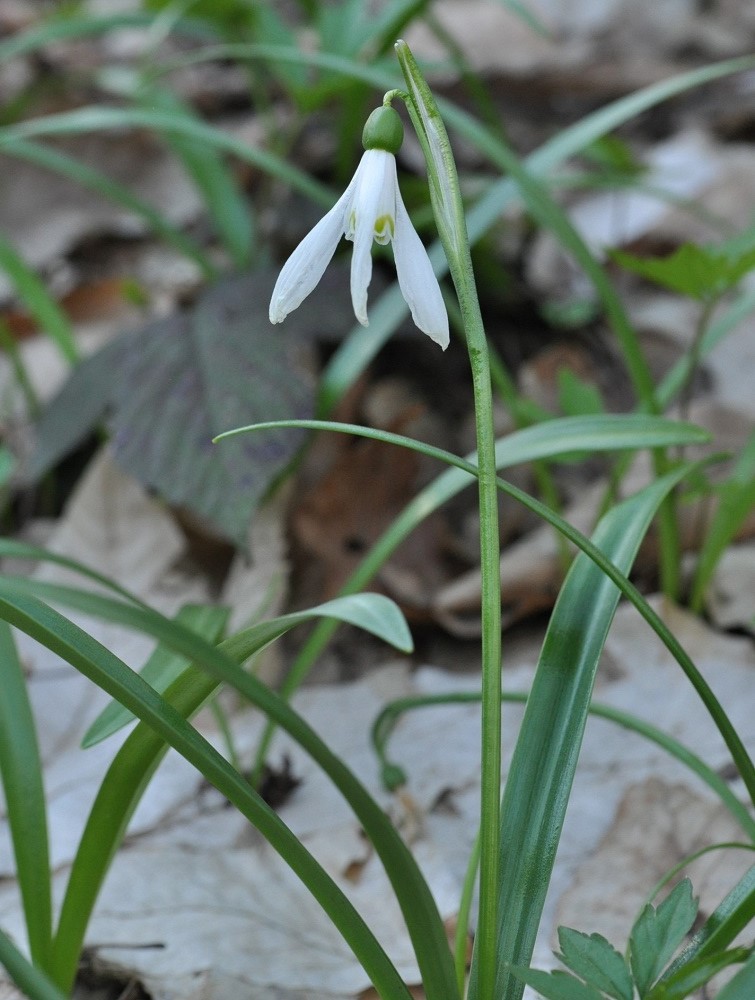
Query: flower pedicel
{"points": [[370, 209]]}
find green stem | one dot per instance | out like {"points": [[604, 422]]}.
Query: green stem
{"points": [[449, 215], [461, 937]]}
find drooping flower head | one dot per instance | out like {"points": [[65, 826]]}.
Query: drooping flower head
{"points": [[370, 209]]}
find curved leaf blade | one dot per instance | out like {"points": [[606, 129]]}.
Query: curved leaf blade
{"points": [[105, 669], [21, 775], [545, 758]]}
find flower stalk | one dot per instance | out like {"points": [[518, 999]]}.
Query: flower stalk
{"points": [[449, 215]]}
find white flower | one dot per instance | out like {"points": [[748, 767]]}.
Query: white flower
{"points": [[370, 208]]}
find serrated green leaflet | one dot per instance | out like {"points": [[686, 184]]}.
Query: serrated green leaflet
{"points": [[595, 960], [699, 272], [722, 926], [557, 985], [657, 934]]}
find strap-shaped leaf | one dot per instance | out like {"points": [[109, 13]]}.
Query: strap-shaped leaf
{"points": [[545, 759], [21, 774]]}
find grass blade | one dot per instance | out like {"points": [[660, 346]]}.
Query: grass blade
{"points": [[98, 118], [105, 669], [162, 668], [87, 176], [229, 212], [594, 433], [545, 759], [58, 29], [393, 774], [29, 978], [420, 912], [40, 304], [21, 774]]}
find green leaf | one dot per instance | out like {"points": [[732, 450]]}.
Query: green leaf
{"points": [[88, 176], [230, 214], [742, 986], [545, 757], [21, 775], [658, 932], [32, 292], [50, 30], [731, 916], [556, 985], [595, 960], [101, 666], [374, 613], [162, 667], [29, 978], [98, 118], [576, 397], [701, 272], [695, 974], [736, 501]]}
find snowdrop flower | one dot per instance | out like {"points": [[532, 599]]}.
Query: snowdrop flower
{"points": [[370, 209]]}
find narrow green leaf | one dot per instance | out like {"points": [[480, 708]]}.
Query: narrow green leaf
{"points": [[98, 118], [162, 668], [32, 292], [12, 548], [541, 440], [730, 320], [696, 974], [374, 613], [89, 177], [577, 397], [595, 960], [545, 758], [21, 775], [105, 669], [736, 501], [29, 978], [230, 214], [556, 985], [602, 432], [80, 26], [393, 774], [657, 934], [742, 986]]}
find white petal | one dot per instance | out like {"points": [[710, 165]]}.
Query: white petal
{"points": [[374, 199], [307, 263], [417, 280]]}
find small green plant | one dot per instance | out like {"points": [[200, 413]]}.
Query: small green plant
{"points": [[597, 971], [518, 834]]}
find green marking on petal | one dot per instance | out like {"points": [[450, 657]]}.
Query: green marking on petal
{"points": [[385, 227]]}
